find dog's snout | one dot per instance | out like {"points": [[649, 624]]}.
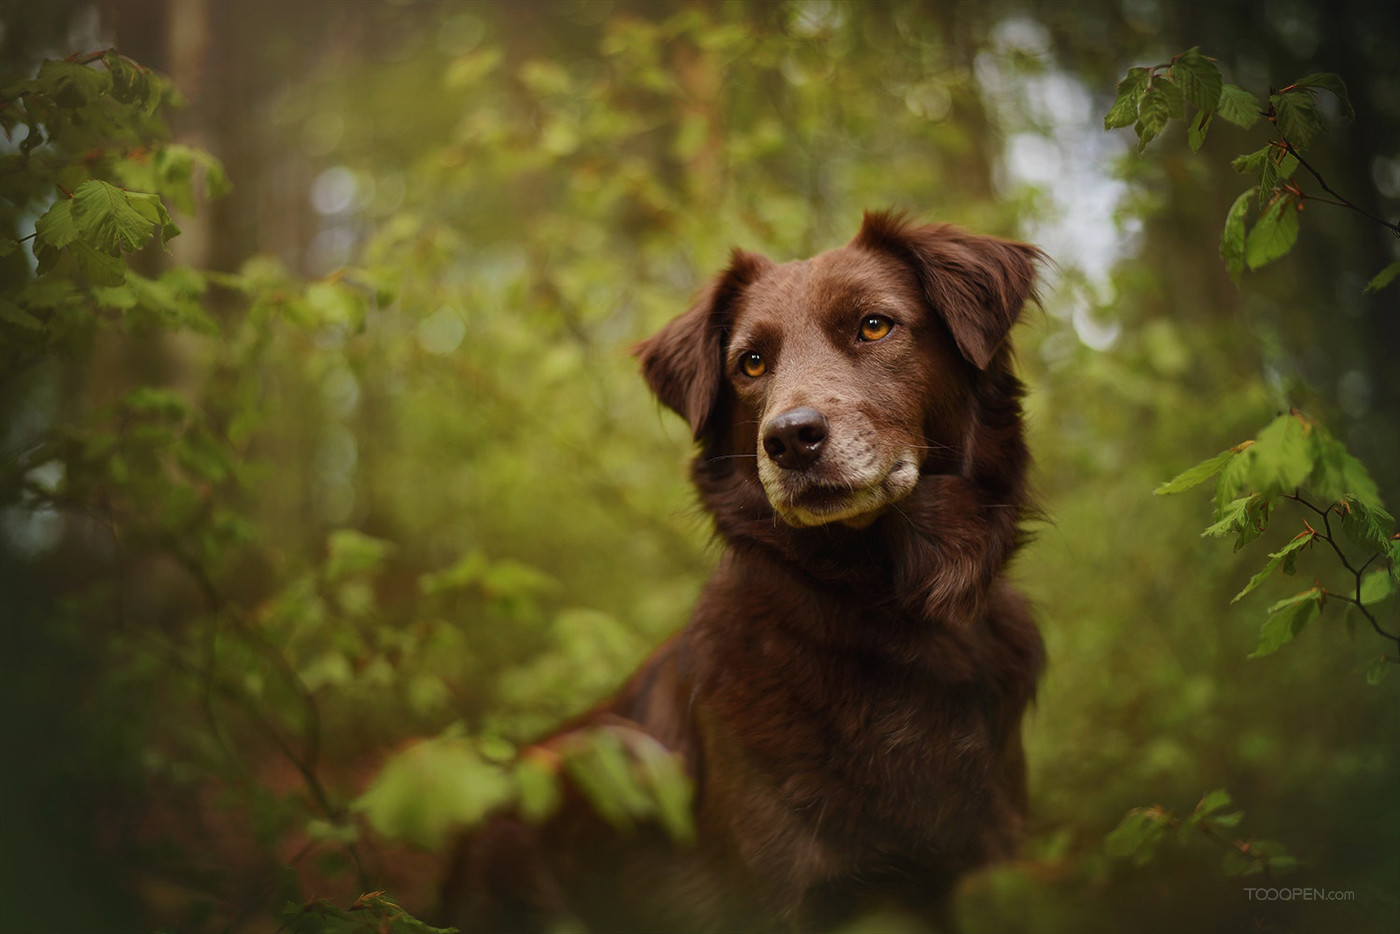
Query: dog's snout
{"points": [[794, 439]]}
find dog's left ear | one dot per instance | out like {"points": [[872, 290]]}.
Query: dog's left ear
{"points": [[683, 363], [977, 284]]}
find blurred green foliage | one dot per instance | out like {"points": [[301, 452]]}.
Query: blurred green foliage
{"points": [[401, 489]]}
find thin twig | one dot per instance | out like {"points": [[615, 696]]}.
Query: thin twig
{"points": [[1242, 848], [1356, 573], [1341, 201]]}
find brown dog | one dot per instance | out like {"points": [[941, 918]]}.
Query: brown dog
{"points": [[848, 694]]}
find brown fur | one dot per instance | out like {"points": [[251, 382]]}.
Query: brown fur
{"points": [[848, 693]]}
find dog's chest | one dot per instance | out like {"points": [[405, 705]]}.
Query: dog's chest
{"points": [[862, 752]]}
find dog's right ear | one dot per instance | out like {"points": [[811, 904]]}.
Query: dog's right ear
{"points": [[683, 363]]}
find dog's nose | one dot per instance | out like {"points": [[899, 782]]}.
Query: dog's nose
{"points": [[794, 439]]}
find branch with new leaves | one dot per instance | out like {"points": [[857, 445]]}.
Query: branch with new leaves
{"points": [[1142, 830], [1295, 459], [1262, 224]]}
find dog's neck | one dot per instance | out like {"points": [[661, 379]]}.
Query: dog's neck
{"points": [[946, 563]]}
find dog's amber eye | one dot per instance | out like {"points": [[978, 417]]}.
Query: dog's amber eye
{"points": [[875, 327], [752, 364]]}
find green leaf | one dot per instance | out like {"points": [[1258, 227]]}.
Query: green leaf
{"points": [[152, 401], [601, 769], [1196, 132], [1238, 106], [1281, 457], [432, 788], [1295, 115], [336, 303], [107, 219], [1376, 586], [1338, 473], [132, 84], [1274, 234], [1299, 541], [1228, 517], [1197, 475], [465, 572], [1213, 801], [1224, 820], [1199, 79], [1278, 164], [1232, 238], [98, 267], [537, 784], [178, 167], [670, 785], [351, 552], [1171, 92], [1384, 277], [331, 667], [1136, 837], [1367, 526], [72, 86], [17, 316], [121, 297], [1312, 594], [1287, 618], [56, 227], [1329, 82], [1235, 864], [1246, 518], [1251, 161], [153, 209], [1124, 111], [1378, 669], [510, 579], [1154, 110], [1260, 855]]}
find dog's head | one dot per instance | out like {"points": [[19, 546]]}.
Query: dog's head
{"points": [[849, 375]]}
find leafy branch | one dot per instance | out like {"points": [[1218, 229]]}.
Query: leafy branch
{"points": [[1148, 98], [1368, 589], [1142, 830], [625, 774], [371, 913], [1291, 455], [1292, 458]]}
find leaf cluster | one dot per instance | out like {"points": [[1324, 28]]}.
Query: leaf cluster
{"points": [[442, 786], [1294, 459], [1141, 832], [96, 170], [1263, 222]]}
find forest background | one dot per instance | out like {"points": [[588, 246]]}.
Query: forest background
{"points": [[359, 458]]}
